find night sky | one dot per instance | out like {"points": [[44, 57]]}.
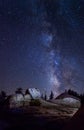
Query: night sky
{"points": [[42, 45]]}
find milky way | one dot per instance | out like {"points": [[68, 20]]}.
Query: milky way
{"points": [[42, 45]]}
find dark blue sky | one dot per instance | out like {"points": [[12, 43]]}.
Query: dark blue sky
{"points": [[42, 44]]}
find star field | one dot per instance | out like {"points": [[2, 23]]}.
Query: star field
{"points": [[42, 45]]}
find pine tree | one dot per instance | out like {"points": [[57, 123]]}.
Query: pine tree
{"points": [[27, 91], [42, 96], [45, 97], [19, 91], [51, 95]]}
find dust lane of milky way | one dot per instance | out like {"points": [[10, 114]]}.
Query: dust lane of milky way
{"points": [[42, 45]]}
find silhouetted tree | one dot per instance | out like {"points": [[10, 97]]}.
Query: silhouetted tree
{"points": [[19, 91], [73, 93], [82, 99], [45, 97], [51, 95], [3, 94], [42, 96], [27, 92], [2, 99], [7, 102]]}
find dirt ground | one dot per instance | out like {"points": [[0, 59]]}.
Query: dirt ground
{"points": [[40, 118]]}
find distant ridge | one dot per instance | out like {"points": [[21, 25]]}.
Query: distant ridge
{"points": [[66, 95]]}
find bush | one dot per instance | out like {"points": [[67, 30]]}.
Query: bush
{"points": [[35, 102]]}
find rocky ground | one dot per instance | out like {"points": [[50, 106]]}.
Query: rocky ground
{"points": [[44, 117]]}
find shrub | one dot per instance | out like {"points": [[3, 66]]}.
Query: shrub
{"points": [[35, 102]]}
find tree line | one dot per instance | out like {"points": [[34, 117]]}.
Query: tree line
{"points": [[5, 99]]}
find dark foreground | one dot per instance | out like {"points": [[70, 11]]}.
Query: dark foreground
{"points": [[18, 119]]}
